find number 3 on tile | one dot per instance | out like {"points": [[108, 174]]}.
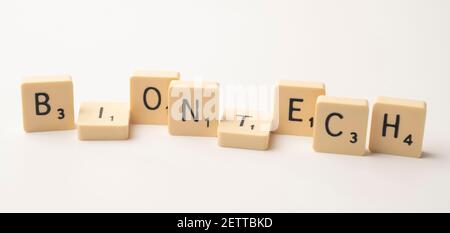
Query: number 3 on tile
{"points": [[61, 113], [354, 137]]}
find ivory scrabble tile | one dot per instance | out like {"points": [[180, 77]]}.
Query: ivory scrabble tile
{"points": [[193, 108], [397, 126], [341, 125], [244, 130], [103, 121], [149, 96], [47, 103], [295, 105]]}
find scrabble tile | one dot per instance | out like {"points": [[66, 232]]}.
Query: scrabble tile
{"points": [[47, 103], [193, 108], [149, 96], [397, 126], [341, 125], [295, 104], [244, 130], [103, 121]]}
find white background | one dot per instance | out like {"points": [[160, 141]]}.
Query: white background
{"points": [[357, 48]]}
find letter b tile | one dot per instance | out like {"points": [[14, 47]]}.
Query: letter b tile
{"points": [[397, 126], [47, 103], [341, 125]]}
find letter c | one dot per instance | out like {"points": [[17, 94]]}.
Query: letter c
{"points": [[327, 124]]}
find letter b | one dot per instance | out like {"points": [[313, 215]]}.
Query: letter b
{"points": [[42, 102]]}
